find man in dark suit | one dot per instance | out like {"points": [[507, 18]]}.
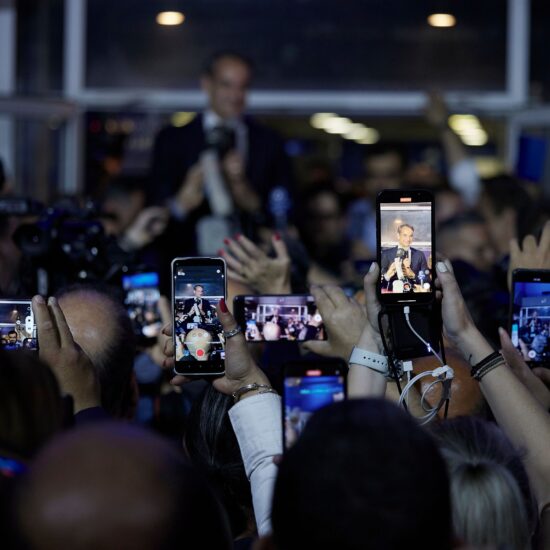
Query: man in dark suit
{"points": [[222, 163], [196, 309], [402, 262]]}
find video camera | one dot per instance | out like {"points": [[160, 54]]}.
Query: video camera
{"points": [[64, 245]]}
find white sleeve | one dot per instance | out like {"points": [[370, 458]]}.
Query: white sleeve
{"points": [[258, 426], [464, 179]]}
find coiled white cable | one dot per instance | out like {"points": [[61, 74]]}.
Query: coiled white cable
{"points": [[443, 375]]}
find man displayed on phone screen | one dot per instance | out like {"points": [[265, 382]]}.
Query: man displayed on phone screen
{"points": [[198, 308], [17, 327], [198, 331], [405, 268]]}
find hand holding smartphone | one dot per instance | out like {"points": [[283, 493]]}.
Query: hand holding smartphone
{"points": [[198, 284]]}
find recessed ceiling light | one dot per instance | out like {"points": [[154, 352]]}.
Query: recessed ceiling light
{"points": [[442, 20], [170, 18], [318, 120], [338, 125]]}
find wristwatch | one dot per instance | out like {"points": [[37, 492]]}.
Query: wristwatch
{"points": [[373, 361]]}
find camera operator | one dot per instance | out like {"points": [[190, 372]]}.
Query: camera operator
{"points": [[222, 163]]}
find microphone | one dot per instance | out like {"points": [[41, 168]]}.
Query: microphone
{"points": [[401, 253]]}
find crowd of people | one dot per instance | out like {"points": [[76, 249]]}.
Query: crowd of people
{"points": [[103, 446]]}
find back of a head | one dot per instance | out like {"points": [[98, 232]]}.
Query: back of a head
{"points": [[209, 67], [112, 486], [362, 475], [113, 356], [506, 192], [31, 407], [491, 499], [450, 233], [213, 448]]}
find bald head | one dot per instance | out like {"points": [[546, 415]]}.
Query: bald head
{"points": [[101, 327], [112, 486], [90, 317]]}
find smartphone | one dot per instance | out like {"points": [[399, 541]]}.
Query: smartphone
{"points": [[406, 241], [17, 326], [308, 386], [292, 317], [198, 284], [530, 315], [141, 299]]}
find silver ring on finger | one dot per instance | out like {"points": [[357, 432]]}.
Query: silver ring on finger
{"points": [[230, 333]]}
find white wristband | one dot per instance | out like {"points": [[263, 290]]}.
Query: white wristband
{"points": [[373, 361]]}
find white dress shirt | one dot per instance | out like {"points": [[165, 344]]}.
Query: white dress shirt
{"points": [[257, 423]]}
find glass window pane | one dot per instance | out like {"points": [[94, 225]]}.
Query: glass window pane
{"points": [[300, 44]]}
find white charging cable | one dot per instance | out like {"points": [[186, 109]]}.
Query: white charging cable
{"points": [[443, 375]]}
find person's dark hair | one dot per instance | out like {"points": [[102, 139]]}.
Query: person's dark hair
{"points": [[136, 488], [459, 221], [387, 148], [31, 407], [195, 287], [491, 497], [210, 65], [124, 185], [399, 228], [311, 194], [362, 475], [213, 447], [115, 365], [506, 192]]}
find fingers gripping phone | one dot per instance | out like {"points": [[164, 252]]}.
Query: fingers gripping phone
{"points": [[530, 315], [198, 284], [293, 317], [406, 243], [17, 325], [308, 386]]}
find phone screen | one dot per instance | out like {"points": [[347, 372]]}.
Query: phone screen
{"points": [[141, 300], [308, 387], [406, 241], [280, 318], [198, 286], [17, 326], [530, 316]]}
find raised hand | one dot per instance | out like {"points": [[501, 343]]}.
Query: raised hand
{"points": [[530, 254], [72, 367], [250, 265], [344, 320], [240, 367]]}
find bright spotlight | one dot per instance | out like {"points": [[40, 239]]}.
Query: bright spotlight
{"points": [[170, 18], [442, 20]]}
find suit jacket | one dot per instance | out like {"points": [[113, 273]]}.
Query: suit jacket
{"points": [[177, 149], [418, 262], [190, 302]]}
